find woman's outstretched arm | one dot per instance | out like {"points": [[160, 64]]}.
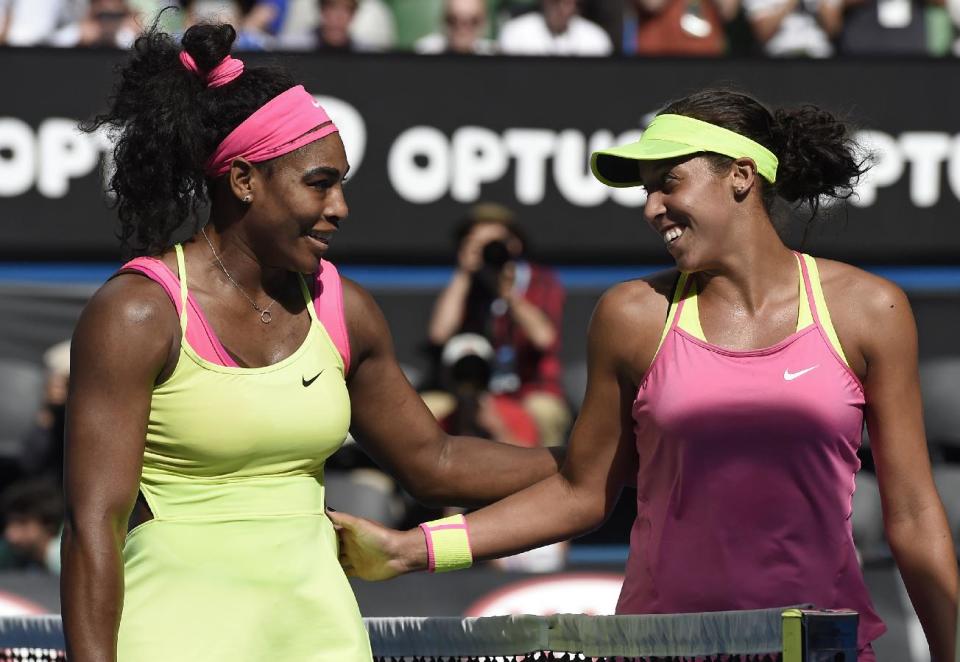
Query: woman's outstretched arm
{"points": [[601, 457], [392, 424]]}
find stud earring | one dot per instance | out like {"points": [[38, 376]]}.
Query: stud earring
{"points": [[247, 198]]}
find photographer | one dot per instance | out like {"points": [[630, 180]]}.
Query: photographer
{"points": [[468, 362], [517, 305]]}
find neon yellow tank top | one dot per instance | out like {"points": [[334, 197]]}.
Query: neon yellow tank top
{"points": [[240, 561]]}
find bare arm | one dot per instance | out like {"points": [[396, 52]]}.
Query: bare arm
{"points": [[914, 520], [600, 460], [121, 344], [393, 425], [534, 322], [448, 311], [538, 324]]}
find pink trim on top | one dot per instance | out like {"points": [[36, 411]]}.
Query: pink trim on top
{"points": [[200, 335], [328, 304], [431, 557]]}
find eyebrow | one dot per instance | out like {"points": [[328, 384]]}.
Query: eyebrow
{"points": [[329, 171]]}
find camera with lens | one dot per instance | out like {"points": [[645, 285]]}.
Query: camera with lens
{"points": [[486, 280]]}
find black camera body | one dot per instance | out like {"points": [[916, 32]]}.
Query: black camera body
{"points": [[486, 280]]}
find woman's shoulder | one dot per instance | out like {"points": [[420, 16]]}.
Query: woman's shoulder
{"points": [[862, 293], [642, 295], [131, 301], [637, 305], [128, 322]]}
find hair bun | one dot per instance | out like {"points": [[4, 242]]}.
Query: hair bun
{"points": [[208, 44], [817, 156]]}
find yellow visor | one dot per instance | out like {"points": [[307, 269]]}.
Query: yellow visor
{"points": [[670, 136]]}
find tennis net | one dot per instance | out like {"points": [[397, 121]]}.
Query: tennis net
{"points": [[741, 636]]}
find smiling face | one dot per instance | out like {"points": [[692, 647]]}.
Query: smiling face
{"points": [[691, 207], [298, 205]]}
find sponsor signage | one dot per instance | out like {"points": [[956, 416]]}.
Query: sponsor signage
{"points": [[428, 136]]}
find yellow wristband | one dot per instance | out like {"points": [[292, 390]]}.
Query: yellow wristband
{"points": [[448, 544]]}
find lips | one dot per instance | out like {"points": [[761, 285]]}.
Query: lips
{"points": [[320, 237]]}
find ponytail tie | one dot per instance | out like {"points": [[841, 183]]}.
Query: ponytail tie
{"points": [[228, 70]]}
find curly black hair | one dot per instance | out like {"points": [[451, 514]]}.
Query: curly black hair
{"points": [[817, 157], [166, 122]]}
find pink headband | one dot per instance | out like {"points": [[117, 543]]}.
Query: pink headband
{"points": [[287, 122], [228, 69]]}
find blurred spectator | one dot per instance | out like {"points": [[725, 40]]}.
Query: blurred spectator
{"points": [[148, 11], [468, 363], [106, 23], [345, 26], [264, 16], [42, 455], [953, 7], [884, 27], [32, 514], [374, 27], [795, 28], [34, 22], [518, 305], [608, 14], [250, 36], [464, 27], [557, 29], [678, 27]]}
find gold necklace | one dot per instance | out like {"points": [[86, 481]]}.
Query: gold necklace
{"points": [[265, 315]]}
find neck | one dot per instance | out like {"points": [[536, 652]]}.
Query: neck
{"points": [[757, 271], [238, 259]]}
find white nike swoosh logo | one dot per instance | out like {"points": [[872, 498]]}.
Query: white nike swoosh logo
{"points": [[790, 376]]}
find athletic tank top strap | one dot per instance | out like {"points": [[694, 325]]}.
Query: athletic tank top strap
{"points": [[818, 304], [198, 332], [305, 291], [182, 277], [328, 304], [688, 317], [676, 305], [805, 316], [688, 314]]}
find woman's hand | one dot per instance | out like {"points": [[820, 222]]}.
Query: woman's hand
{"points": [[373, 552]]}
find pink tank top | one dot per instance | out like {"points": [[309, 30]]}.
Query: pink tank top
{"points": [[327, 301], [746, 472]]}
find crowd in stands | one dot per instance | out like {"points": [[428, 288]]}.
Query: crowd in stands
{"points": [[643, 28], [31, 501]]}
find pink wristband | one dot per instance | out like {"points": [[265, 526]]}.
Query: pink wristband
{"points": [[431, 558]]}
